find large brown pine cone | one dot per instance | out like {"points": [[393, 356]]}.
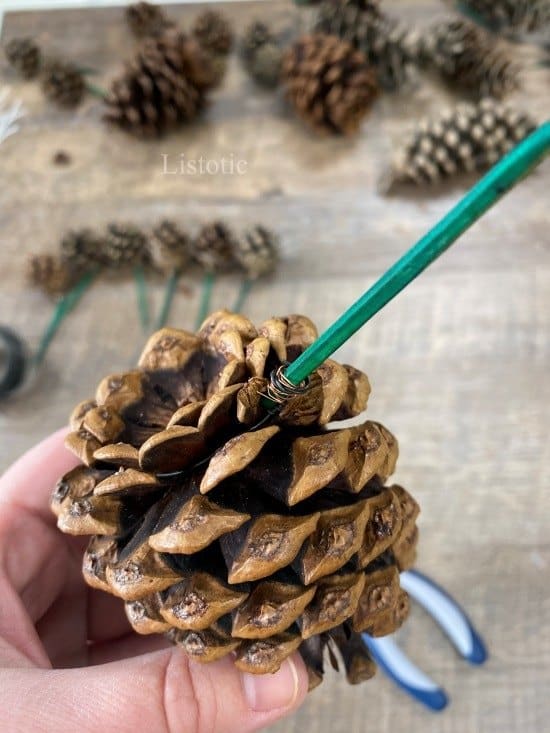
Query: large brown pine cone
{"points": [[162, 87], [231, 530], [329, 83]]}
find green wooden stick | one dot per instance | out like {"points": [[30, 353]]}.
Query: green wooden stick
{"points": [[500, 179], [206, 296]]}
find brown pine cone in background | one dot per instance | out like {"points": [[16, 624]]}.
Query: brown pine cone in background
{"points": [[256, 251], [265, 66], [163, 87], [214, 247], [145, 19], [470, 137], [24, 55], [124, 245], [82, 249], [230, 539], [169, 247], [469, 58], [213, 31], [256, 35], [522, 15], [50, 273], [329, 83], [63, 83]]}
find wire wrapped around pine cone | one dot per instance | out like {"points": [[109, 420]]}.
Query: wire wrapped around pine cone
{"points": [[522, 15], [329, 83], [169, 247], [145, 19], [50, 273], [467, 57], [213, 31], [62, 83], [214, 247], [231, 536], [163, 87], [24, 55], [470, 137]]}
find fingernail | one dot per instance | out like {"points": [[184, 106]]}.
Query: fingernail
{"points": [[272, 691]]}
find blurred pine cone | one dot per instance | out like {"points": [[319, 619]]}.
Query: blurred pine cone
{"points": [[50, 273], [522, 15], [145, 19], [256, 35], [266, 64], [82, 249], [213, 31], [470, 137], [124, 246], [24, 55], [468, 57], [329, 83], [256, 251], [169, 247], [63, 83], [162, 87], [233, 539], [214, 247]]}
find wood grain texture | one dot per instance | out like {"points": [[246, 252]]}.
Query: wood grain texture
{"points": [[458, 363]]}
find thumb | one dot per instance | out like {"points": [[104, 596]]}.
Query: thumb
{"points": [[161, 692]]}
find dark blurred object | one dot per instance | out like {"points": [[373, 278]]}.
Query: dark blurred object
{"points": [[145, 19], [24, 55], [82, 249], [256, 35], [500, 15], [50, 274], [169, 247], [266, 64], [62, 158], [13, 361], [256, 251], [213, 31], [214, 247], [63, 83]]}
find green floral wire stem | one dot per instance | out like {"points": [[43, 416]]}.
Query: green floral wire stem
{"points": [[242, 295], [490, 189], [67, 303], [94, 90], [142, 299], [169, 293], [206, 296]]}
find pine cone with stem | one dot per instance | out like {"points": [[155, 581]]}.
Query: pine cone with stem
{"points": [[169, 247], [522, 15], [256, 251], [24, 55], [124, 246], [214, 247], [145, 19], [50, 273], [329, 83], [213, 31], [232, 535], [163, 87], [468, 58], [81, 249], [63, 83], [470, 137]]}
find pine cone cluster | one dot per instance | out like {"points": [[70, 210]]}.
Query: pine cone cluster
{"points": [[469, 138], [468, 58], [329, 83], [163, 87], [24, 55], [213, 31], [262, 55], [145, 19], [63, 83], [523, 15], [234, 537]]}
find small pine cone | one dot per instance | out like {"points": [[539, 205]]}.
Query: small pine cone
{"points": [[255, 36], [256, 251], [63, 83], [145, 19], [162, 87], [50, 273], [124, 246], [329, 83], [213, 31], [169, 247], [266, 65], [214, 247], [470, 137], [25, 56], [522, 15], [234, 538], [468, 57], [81, 249]]}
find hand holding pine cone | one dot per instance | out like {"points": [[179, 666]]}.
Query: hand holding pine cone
{"points": [[229, 536]]}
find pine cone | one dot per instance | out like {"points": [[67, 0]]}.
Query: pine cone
{"points": [[145, 19], [50, 273], [24, 55], [213, 31], [169, 247], [467, 138], [256, 35], [214, 247], [329, 83], [63, 83], [467, 57], [523, 15], [256, 251], [124, 246], [162, 87], [81, 249], [266, 64], [229, 538]]}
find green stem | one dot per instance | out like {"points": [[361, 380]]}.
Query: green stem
{"points": [[168, 298], [206, 296], [492, 187], [142, 300], [67, 303], [94, 90], [244, 291]]}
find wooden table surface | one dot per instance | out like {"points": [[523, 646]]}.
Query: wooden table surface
{"points": [[459, 363]]}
